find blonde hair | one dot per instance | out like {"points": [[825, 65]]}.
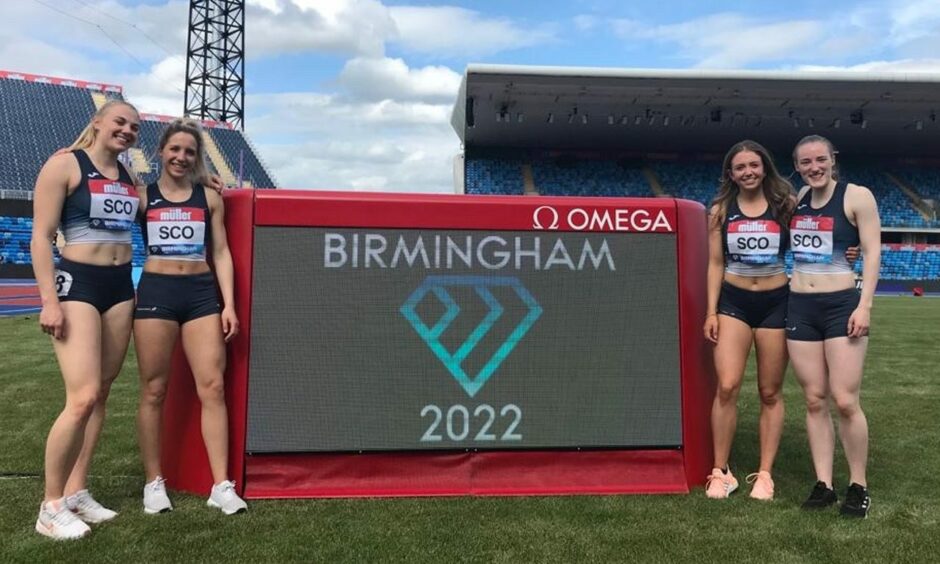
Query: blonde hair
{"points": [[200, 172], [88, 135]]}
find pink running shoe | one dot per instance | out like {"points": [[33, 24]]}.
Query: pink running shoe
{"points": [[720, 484], [763, 485]]}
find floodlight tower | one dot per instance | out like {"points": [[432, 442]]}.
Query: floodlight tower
{"points": [[215, 61]]}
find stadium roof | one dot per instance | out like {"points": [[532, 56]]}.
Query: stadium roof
{"points": [[695, 111]]}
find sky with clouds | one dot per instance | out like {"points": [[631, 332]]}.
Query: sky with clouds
{"points": [[357, 94]]}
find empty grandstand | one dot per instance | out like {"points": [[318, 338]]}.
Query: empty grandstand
{"points": [[40, 114], [613, 132]]}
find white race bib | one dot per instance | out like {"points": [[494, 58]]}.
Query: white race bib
{"points": [[811, 238], [176, 231], [754, 241], [113, 205]]}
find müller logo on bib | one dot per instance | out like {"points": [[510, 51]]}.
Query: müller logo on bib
{"points": [[109, 187], [179, 214], [754, 227], [563, 218]]}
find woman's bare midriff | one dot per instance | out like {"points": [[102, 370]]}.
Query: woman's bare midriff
{"points": [[805, 283], [757, 283], [170, 266], [98, 254]]}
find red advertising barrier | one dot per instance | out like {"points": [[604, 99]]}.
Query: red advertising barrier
{"points": [[339, 386]]}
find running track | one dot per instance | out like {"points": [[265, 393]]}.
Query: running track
{"points": [[18, 297]]}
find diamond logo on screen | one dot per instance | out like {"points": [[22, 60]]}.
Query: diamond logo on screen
{"points": [[453, 361]]}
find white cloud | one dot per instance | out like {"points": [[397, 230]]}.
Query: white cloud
{"points": [[404, 164], [381, 79], [106, 30], [731, 40], [159, 91], [912, 20], [33, 56], [330, 141], [913, 66], [349, 27], [451, 31]]}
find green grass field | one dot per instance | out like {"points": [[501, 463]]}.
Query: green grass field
{"points": [[901, 397]]}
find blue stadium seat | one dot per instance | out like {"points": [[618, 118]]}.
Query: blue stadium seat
{"points": [[894, 206], [588, 177], [493, 176], [241, 157], [697, 181], [36, 119]]}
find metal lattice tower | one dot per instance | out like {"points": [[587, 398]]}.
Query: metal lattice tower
{"points": [[215, 61]]}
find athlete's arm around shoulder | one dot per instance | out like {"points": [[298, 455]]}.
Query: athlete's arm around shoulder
{"points": [[59, 175], [222, 259]]}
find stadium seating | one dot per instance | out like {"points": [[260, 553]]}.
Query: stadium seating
{"points": [[493, 176], [36, 119], [583, 177], [588, 177], [237, 149], [894, 206], [696, 181], [907, 262], [693, 180], [926, 182], [147, 142], [16, 232]]}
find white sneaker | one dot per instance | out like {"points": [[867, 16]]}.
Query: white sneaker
{"points": [[87, 509], [223, 497], [155, 498], [57, 522]]}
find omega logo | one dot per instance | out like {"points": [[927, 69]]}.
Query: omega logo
{"points": [[604, 219]]}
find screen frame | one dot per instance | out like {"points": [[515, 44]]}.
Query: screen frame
{"points": [[448, 473]]}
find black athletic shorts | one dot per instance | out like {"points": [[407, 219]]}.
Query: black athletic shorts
{"points": [[177, 297], [817, 317], [766, 309], [101, 286]]}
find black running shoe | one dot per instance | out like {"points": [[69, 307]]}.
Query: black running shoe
{"points": [[856, 502], [821, 497]]}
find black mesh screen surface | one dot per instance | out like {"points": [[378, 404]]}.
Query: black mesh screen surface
{"points": [[378, 339]]}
